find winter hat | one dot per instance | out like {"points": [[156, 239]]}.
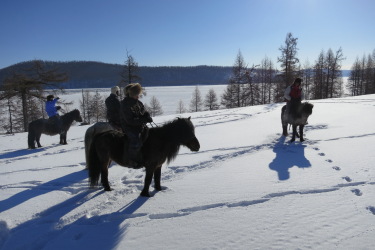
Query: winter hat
{"points": [[50, 98], [298, 81], [133, 89], [115, 90]]}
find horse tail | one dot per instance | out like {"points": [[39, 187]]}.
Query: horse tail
{"points": [[31, 136], [93, 164], [88, 141]]}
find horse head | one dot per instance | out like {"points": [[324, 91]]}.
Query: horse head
{"points": [[77, 115], [307, 108], [187, 133]]}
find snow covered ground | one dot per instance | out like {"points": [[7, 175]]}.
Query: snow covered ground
{"points": [[247, 187]]}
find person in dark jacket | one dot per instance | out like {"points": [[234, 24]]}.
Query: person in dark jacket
{"points": [[52, 113], [134, 118], [112, 104], [293, 96]]}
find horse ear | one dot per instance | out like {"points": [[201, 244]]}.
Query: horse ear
{"points": [[189, 118]]}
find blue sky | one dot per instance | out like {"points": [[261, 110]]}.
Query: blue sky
{"points": [[182, 32]]}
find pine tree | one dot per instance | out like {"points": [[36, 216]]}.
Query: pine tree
{"points": [[29, 83], [288, 59], [211, 102], [155, 108], [196, 101], [181, 107]]}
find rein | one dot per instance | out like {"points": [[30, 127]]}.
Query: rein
{"points": [[153, 125]]}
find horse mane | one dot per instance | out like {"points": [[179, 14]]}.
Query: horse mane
{"points": [[171, 132], [72, 114]]}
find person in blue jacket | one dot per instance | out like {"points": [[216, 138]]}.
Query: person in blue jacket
{"points": [[52, 113]]}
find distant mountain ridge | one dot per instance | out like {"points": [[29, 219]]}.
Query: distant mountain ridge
{"points": [[86, 74]]}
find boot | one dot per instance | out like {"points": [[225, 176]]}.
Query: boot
{"points": [[134, 158]]}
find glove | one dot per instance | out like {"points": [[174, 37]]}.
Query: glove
{"points": [[146, 118], [58, 107]]}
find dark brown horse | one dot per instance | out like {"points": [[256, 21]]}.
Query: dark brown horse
{"points": [[45, 126], [162, 144], [298, 116]]}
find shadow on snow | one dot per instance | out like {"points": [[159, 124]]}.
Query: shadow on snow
{"points": [[288, 156]]}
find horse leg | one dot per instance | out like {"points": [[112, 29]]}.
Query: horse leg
{"points": [[37, 138], [294, 133], [157, 177], [63, 139], [104, 176], [297, 134], [284, 124], [301, 132], [148, 179], [285, 130]]}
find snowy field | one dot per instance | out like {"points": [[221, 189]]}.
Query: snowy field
{"points": [[169, 97], [247, 187]]}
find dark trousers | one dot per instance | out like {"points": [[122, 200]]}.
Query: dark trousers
{"points": [[135, 144]]}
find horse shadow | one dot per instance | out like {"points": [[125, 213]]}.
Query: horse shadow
{"points": [[288, 156], [20, 152], [88, 232], [64, 182], [25, 152]]}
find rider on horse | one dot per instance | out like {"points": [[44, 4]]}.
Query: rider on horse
{"points": [[133, 122], [293, 95], [52, 113], [112, 104]]}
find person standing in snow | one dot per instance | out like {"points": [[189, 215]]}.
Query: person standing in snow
{"points": [[52, 113], [293, 96], [134, 117], [112, 104]]}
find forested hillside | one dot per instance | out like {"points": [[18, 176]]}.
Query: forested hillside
{"points": [[83, 74]]}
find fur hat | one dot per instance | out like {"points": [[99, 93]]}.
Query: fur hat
{"points": [[115, 90], [133, 89], [50, 98]]}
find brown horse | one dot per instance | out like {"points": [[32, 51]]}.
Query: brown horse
{"points": [[297, 117], [45, 126], [162, 144]]}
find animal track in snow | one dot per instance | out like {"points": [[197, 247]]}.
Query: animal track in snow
{"points": [[336, 168], [371, 209], [357, 192], [347, 178]]}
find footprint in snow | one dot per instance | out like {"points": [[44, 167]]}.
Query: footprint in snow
{"points": [[336, 168], [347, 178], [357, 192], [371, 209]]}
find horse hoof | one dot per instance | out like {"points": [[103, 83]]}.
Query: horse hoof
{"points": [[108, 189], [145, 194]]}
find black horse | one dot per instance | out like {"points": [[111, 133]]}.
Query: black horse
{"points": [[299, 113], [162, 144], [45, 126]]}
